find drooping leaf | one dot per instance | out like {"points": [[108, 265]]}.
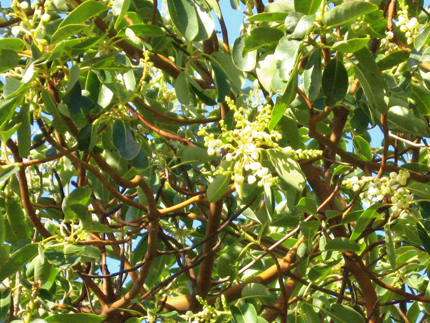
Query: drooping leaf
{"points": [[362, 147], [123, 140], [16, 218], [219, 185], [421, 96], [243, 62], [184, 17], [334, 82], [312, 75], [364, 220], [391, 254]]}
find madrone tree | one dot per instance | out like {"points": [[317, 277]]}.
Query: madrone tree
{"points": [[154, 169]]}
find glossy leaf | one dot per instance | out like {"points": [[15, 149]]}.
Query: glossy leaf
{"points": [[82, 13], [16, 218], [362, 147], [18, 259], [14, 44], [403, 120], [308, 7], [195, 155], [347, 13], [243, 62], [219, 185], [312, 75], [8, 59], [364, 220], [341, 244], [307, 205], [244, 313], [287, 168], [345, 314], [184, 16], [420, 189], [334, 82], [286, 53], [391, 254], [123, 140], [81, 195], [283, 102], [421, 96]]}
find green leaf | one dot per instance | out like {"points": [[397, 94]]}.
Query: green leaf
{"points": [[219, 185], [267, 66], [81, 195], [44, 272], [345, 314], [183, 90], [371, 79], [6, 172], [304, 26], [351, 45], [308, 7], [312, 75], [221, 84], [68, 31], [421, 96], [393, 59], [401, 119], [184, 17], [17, 260], [255, 290], [244, 313], [73, 318], [8, 60], [82, 13], [63, 258], [287, 168], [268, 17], [234, 75], [123, 140], [195, 155], [226, 262], [204, 20], [308, 205], [147, 30], [287, 53], [364, 220], [420, 189], [244, 62], [57, 120], [5, 298], [389, 244], [283, 102], [14, 44], [16, 218], [334, 82], [422, 39], [24, 132], [347, 13], [119, 9], [341, 244], [362, 147]]}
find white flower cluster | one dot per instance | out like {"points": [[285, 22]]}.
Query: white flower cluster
{"points": [[379, 188], [386, 44], [408, 26], [243, 145], [304, 154], [209, 314]]}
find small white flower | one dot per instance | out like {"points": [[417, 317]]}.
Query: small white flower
{"points": [[239, 179], [390, 35], [262, 172], [255, 166], [229, 157], [15, 30], [24, 5], [211, 151], [46, 17], [255, 155], [403, 28], [252, 179]]}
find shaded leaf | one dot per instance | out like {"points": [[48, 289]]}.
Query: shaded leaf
{"points": [[18, 259], [342, 244], [334, 82], [123, 140]]}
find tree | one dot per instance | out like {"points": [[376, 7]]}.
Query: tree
{"points": [[151, 170]]}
